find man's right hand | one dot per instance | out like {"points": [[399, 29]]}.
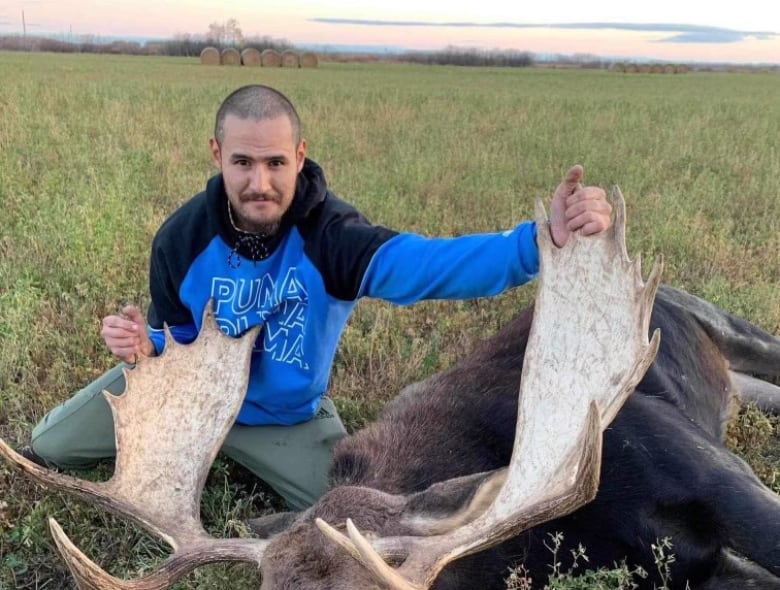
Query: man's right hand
{"points": [[126, 335]]}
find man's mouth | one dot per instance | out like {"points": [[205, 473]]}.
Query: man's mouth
{"points": [[258, 199]]}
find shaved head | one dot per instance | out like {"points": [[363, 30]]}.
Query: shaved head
{"points": [[256, 103]]}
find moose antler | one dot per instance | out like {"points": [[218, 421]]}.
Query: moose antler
{"points": [[170, 422], [587, 351]]}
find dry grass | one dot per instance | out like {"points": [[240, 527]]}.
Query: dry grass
{"points": [[210, 56], [290, 59], [251, 57], [230, 57], [271, 58], [309, 60]]}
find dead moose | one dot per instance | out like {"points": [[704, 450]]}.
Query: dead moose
{"points": [[461, 477]]}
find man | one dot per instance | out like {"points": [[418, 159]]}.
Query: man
{"points": [[271, 245]]}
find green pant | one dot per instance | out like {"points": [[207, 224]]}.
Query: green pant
{"points": [[293, 460]]}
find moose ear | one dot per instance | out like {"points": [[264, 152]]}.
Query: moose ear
{"points": [[265, 527], [452, 503]]}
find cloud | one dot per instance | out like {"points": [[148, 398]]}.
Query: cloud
{"points": [[682, 33], [714, 37]]}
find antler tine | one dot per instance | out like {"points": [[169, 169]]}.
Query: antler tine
{"points": [[335, 536], [376, 565], [170, 422], [587, 351], [85, 489], [89, 576]]}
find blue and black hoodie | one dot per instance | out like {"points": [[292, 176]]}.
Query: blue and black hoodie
{"points": [[302, 283]]}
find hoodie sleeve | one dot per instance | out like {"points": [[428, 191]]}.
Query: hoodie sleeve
{"points": [[166, 307], [359, 259], [409, 267]]}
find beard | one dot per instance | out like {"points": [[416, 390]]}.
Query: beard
{"points": [[269, 228], [244, 221]]}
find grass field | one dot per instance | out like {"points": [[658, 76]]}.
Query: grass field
{"points": [[95, 151]]}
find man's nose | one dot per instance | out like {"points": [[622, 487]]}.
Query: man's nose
{"points": [[259, 182]]}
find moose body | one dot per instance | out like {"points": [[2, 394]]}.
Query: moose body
{"points": [[665, 470]]}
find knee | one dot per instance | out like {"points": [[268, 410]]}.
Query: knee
{"points": [[72, 446], [57, 451]]}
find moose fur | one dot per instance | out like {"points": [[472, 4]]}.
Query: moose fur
{"points": [[665, 470]]}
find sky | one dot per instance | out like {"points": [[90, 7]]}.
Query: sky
{"points": [[674, 30]]}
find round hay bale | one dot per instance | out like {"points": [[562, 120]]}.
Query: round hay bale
{"points": [[618, 66], [290, 59], [230, 57], [209, 56], [251, 57], [309, 60], [271, 58]]}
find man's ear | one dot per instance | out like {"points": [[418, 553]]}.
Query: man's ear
{"points": [[216, 155], [300, 154]]}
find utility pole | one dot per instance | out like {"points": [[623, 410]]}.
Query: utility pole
{"points": [[25, 24]]}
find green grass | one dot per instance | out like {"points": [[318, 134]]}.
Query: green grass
{"points": [[95, 151]]}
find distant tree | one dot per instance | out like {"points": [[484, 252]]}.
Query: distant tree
{"points": [[184, 43], [268, 42], [469, 56], [216, 33], [227, 34]]}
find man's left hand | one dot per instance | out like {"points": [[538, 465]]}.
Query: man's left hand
{"points": [[578, 208]]}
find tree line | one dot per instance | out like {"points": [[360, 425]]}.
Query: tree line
{"points": [[184, 45], [220, 35]]}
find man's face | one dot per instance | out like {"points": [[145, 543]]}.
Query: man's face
{"points": [[260, 162]]}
